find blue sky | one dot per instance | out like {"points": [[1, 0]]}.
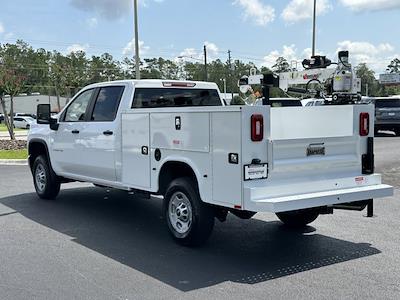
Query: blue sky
{"points": [[257, 30]]}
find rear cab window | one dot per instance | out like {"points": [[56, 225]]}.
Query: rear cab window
{"points": [[175, 97]]}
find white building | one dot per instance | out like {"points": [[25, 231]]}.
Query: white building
{"points": [[27, 103]]}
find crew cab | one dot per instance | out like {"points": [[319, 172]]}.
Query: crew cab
{"points": [[177, 139]]}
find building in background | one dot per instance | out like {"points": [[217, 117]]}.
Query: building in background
{"points": [[27, 104], [391, 79]]}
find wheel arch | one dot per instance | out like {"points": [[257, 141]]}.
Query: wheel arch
{"points": [[37, 147], [175, 168]]}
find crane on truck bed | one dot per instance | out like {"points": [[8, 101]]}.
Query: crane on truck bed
{"points": [[340, 83]]}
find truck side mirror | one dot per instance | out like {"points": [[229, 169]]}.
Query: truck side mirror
{"points": [[43, 114]]}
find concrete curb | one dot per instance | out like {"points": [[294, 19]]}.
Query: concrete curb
{"points": [[13, 162]]}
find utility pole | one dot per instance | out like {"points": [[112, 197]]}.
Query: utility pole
{"points": [[137, 57], [205, 64], [230, 71], [314, 26]]}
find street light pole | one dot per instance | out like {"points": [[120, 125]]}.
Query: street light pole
{"points": [[314, 25], [205, 63], [137, 57]]}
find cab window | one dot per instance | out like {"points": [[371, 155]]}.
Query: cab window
{"points": [[76, 111], [107, 102]]}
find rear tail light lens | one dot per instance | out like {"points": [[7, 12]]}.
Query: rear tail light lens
{"points": [[257, 128], [364, 124]]}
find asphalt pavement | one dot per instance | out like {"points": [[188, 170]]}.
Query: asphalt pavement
{"points": [[97, 244]]}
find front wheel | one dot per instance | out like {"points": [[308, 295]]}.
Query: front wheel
{"points": [[189, 220], [47, 185], [299, 218]]}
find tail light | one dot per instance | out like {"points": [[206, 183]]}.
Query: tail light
{"points": [[364, 124], [257, 128]]}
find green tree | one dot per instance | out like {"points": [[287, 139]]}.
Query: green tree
{"points": [[394, 66], [13, 77], [281, 65], [11, 84], [367, 80], [160, 68]]}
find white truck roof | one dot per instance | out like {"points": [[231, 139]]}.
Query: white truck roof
{"points": [[160, 83]]}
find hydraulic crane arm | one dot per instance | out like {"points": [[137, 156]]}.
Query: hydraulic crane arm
{"points": [[340, 83]]}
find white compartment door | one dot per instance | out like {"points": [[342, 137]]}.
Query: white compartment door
{"points": [[136, 150]]}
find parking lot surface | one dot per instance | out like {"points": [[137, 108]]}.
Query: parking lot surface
{"points": [[96, 244]]}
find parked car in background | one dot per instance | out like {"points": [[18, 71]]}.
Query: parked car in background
{"points": [[23, 122], [387, 114], [25, 115]]}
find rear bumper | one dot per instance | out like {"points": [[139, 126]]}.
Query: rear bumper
{"points": [[254, 201]]}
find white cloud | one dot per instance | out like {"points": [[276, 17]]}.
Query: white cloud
{"points": [[257, 11], [77, 48], [92, 22], [2, 28], [130, 48], [212, 49], [298, 10], [368, 5], [288, 52], [376, 56], [109, 9], [189, 54]]}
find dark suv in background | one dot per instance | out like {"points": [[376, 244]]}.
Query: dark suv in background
{"points": [[387, 114]]}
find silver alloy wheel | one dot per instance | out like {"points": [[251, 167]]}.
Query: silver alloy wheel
{"points": [[180, 213], [40, 178]]}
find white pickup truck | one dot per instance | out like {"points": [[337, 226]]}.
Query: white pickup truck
{"points": [[178, 139]]}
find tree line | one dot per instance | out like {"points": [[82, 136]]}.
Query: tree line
{"points": [[24, 69]]}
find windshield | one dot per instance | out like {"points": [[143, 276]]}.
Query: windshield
{"points": [[387, 103]]}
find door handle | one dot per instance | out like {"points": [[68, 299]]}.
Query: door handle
{"points": [[108, 132], [75, 131]]}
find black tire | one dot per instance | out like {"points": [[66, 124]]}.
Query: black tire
{"points": [[46, 182], [299, 218], [201, 223], [397, 132]]}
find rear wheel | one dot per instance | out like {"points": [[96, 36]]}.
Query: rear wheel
{"points": [[190, 221], [47, 185], [299, 218], [397, 131]]}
